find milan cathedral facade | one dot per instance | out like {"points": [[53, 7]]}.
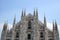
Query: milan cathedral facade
{"points": [[30, 28]]}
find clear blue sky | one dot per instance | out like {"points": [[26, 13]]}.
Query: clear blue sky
{"points": [[9, 8]]}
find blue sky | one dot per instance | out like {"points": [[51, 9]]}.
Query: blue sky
{"points": [[9, 8]]}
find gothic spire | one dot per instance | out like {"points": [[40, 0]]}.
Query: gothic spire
{"points": [[53, 30], [34, 12], [22, 13], [44, 20], [5, 26], [53, 26], [14, 20], [56, 25]]}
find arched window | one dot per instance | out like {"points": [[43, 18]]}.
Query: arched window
{"points": [[50, 39], [41, 39], [17, 35], [29, 24], [41, 34], [29, 36], [7, 39]]}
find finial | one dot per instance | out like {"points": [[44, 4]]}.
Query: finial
{"points": [[44, 20], [44, 15], [34, 12], [22, 13], [14, 19], [53, 25], [5, 25], [56, 24], [25, 12]]}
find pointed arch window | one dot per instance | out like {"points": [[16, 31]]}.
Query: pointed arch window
{"points": [[17, 35], [29, 24], [29, 36], [41, 34], [50, 39]]}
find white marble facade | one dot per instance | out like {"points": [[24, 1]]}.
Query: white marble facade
{"points": [[30, 28]]}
